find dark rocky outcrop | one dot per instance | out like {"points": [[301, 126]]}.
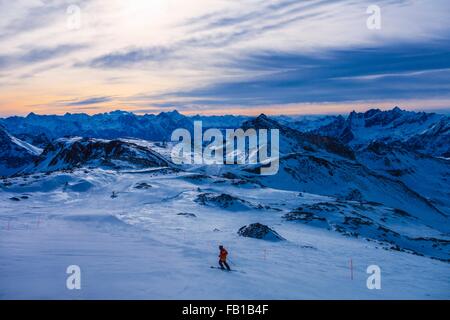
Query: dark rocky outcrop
{"points": [[260, 231]]}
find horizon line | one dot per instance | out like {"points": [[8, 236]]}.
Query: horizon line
{"points": [[443, 110]]}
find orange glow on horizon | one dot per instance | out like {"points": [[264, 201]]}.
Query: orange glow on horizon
{"points": [[8, 107]]}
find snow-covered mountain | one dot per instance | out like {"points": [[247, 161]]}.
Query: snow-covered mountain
{"points": [[426, 175], [308, 160], [225, 121], [424, 132], [295, 141], [123, 202], [15, 154], [324, 165], [427, 132], [38, 140], [435, 140], [112, 125], [70, 153], [306, 123]]}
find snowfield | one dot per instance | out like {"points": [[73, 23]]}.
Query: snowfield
{"points": [[158, 236]]}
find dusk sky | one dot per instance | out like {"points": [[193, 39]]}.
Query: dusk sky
{"points": [[222, 56]]}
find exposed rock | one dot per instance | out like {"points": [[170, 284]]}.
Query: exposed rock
{"points": [[142, 185], [186, 214], [354, 195], [223, 200], [260, 231], [304, 216], [70, 153]]}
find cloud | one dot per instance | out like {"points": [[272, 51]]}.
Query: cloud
{"points": [[129, 57], [262, 12], [213, 33], [38, 54], [214, 53], [89, 101], [391, 72]]}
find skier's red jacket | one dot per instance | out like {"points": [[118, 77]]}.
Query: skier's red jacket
{"points": [[223, 254]]}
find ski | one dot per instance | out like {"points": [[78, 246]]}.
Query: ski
{"points": [[213, 267]]}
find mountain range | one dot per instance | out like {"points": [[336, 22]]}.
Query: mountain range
{"points": [[380, 175], [395, 157], [428, 133]]}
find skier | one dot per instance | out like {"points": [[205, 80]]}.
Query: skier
{"points": [[223, 258]]}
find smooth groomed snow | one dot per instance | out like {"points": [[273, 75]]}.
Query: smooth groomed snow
{"points": [[145, 235]]}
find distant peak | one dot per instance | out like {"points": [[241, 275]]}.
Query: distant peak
{"points": [[261, 122], [262, 116], [352, 115], [174, 115], [118, 112], [371, 112]]}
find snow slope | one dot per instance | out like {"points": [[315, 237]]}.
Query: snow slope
{"points": [[139, 246], [426, 175], [15, 154]]}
